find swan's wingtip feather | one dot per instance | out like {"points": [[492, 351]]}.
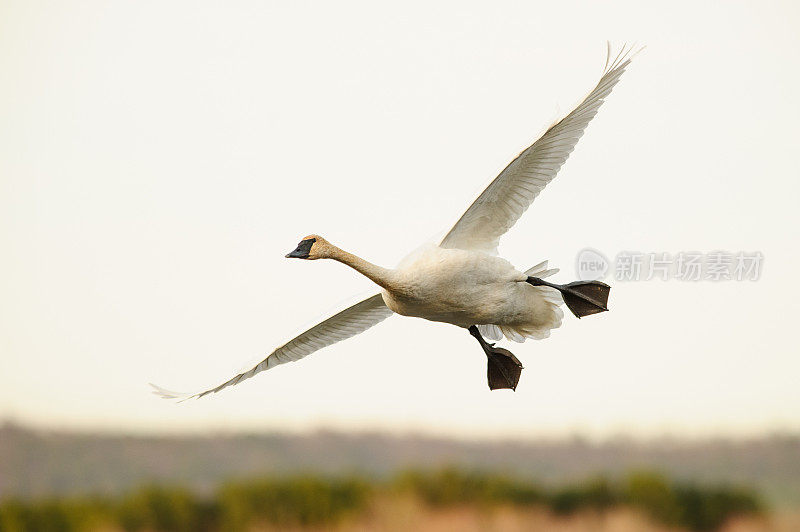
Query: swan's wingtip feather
{"points": [[169, 394], [623, 57]]}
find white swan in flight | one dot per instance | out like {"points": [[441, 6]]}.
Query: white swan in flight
{"points": [[461, 280]]}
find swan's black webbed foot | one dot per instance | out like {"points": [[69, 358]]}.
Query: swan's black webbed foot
{"points": [[583, 298], [504, 369]]}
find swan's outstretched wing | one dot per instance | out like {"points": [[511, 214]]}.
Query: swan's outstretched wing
{"points": [[349, 322], [505, 199]]}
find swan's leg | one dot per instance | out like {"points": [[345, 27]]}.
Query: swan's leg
{"points": [[504, 368], [583, 298]]}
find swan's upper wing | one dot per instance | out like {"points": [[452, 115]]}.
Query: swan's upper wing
{"points": [[349, 322], [505, 199]]}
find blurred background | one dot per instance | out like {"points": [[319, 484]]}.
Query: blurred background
{"points": [[158, 159]]}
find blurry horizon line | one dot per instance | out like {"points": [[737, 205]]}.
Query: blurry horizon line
{"points": [[576, 435]]}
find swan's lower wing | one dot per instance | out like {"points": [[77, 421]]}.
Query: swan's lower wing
{"points": [[349, 322], [506, 198]]}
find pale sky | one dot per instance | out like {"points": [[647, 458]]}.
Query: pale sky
{"points": [[158, 159]]}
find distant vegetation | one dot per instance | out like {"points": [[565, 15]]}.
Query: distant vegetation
{"points": [[675, 504], [308, 501], [35, 464]]}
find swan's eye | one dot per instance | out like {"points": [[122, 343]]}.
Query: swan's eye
{"points": [[303, 249]]}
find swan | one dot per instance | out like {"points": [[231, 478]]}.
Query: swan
{"points": [[461, 280]]}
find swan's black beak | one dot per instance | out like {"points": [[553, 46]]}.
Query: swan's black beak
{"points": [[302, 250]]}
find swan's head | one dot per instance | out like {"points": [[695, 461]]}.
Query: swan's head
{"points": [[311, 247]]}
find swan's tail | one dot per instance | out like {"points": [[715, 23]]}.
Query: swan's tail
{"points": [[541, 329], [541, 271]]}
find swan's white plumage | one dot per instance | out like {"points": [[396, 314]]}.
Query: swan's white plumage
{"points": [[506, 198], [466, 287], [549, 295], [342, 325], [461, 281]]}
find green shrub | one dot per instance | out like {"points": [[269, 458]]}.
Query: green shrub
{"points": [[450, 486], [159, 508], [596, 494], [653, 494], [709, 508], [52, 515], [690, 506], [287, 502]]}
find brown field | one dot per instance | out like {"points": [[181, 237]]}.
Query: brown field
{"points": [[407, 514]]}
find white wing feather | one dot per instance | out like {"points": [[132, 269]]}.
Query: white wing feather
{"points": [[345, 324], [506, 198]]}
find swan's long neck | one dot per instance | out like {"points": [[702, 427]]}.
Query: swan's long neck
{"points": [[378, 275]]}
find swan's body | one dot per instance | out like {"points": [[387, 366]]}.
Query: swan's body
{"points": [[467, 288], [461, 280]]}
